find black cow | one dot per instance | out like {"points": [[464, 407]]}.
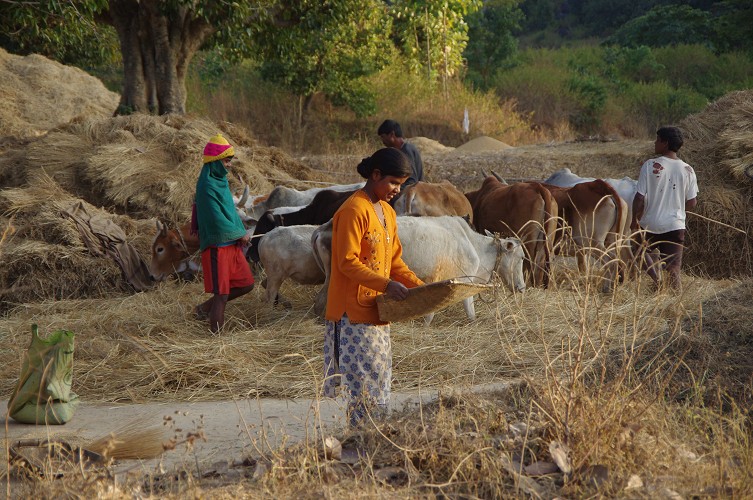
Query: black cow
{"points": [[321, 209]]}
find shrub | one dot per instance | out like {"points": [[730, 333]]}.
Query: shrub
{"points": [[654, 104]]}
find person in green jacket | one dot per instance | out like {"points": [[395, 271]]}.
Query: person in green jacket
{"points": [[222, 235]]}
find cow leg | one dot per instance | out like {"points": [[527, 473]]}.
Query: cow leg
{"points": [[470, 310], [320, 301], [274, 282]]}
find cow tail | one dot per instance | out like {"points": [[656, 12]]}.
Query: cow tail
{"points": [[618, 226], [622, 246], [550, 228], [410, 195], [314, 237]]}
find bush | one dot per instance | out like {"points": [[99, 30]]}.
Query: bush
{"points": [[697, 67], [651, 105]]}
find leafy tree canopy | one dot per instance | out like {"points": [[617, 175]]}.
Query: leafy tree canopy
{"points": [[666, 25], [491, 39], [326, 46], [431, 35]]}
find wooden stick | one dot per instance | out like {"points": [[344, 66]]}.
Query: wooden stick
{"points": [[717, 222]]}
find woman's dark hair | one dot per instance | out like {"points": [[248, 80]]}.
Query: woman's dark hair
{"points": [[672, 136], [389, 161]]}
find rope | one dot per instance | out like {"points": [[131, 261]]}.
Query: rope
{"points": [[717, 222]]}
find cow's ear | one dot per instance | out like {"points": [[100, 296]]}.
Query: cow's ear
{"points": [[509, 245], [486, 232]]}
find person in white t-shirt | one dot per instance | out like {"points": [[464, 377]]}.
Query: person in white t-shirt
{"points": [[667, 188]]}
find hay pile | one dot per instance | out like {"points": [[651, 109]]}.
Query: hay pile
{"points": [[142, 165], [719, 146], [137, 168], [37, 94]]}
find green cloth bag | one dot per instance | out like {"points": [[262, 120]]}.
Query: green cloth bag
{"points": [[43, 393]]}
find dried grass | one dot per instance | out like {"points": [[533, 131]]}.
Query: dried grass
{"points": [[38, 94], [131, 440], [147, 347], [719, 146], [142, 165]]}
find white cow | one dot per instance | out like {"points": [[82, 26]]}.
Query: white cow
{"points": [[283, 196], [438, 248], [286, 252]]}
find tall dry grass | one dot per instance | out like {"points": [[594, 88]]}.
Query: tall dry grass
{"points": [[611, 392], [423, 108]]}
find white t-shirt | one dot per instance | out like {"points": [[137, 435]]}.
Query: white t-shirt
{"points": [[666, 185]]}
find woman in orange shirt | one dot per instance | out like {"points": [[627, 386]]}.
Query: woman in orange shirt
{"points": [[366, 262]]}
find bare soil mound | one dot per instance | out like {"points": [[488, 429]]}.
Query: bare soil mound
{"points": [[37, 94], [482, 144], [429, 146]]}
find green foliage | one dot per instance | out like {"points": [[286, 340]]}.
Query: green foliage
{"points": [[491, 40], [658, 103], [637, 64], [590, 93], [539, 84], [666, 25], [432, 35], [733, 25], [594, 89], [326, 46], [63, 31]]}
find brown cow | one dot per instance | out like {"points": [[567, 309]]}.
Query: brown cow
{"points": [[172, 250], [597, 216], [525, 210], [433, 199]]}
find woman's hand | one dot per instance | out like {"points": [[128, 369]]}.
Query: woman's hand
{"points": [[245, 239], [396, 290]]}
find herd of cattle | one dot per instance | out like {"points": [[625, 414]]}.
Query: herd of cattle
{"points": [[510, 230]]}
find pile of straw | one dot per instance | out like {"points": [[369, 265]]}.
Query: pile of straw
{"points": [[46, 257], [137, 168], [719, 146], [37, 94], [143, 165]]}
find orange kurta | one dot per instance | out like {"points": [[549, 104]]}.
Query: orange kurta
{"points": [[365, 257]]}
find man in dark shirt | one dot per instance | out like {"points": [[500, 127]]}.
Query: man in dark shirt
{"points": [[392, 137]]}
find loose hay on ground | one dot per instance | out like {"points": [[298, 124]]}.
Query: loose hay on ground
{"points": [[148, 347]]}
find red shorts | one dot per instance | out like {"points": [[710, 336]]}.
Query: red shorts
{"points": [[225, 268]]}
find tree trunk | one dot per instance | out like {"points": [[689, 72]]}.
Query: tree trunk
{"points": [[157, 49]]}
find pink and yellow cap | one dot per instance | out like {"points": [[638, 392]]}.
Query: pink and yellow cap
{"points": [[217, 148]]}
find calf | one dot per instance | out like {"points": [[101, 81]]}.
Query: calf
{"points": [[595, 215], [438, 248], [425, 198], [174, 251], [625, 188]]}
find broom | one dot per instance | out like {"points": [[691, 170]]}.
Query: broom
{"points": [[131, 441]]}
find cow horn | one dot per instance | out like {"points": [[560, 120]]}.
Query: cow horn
{"points": [[161, 228], [244, 198], [483, 172], [500, 179]]}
